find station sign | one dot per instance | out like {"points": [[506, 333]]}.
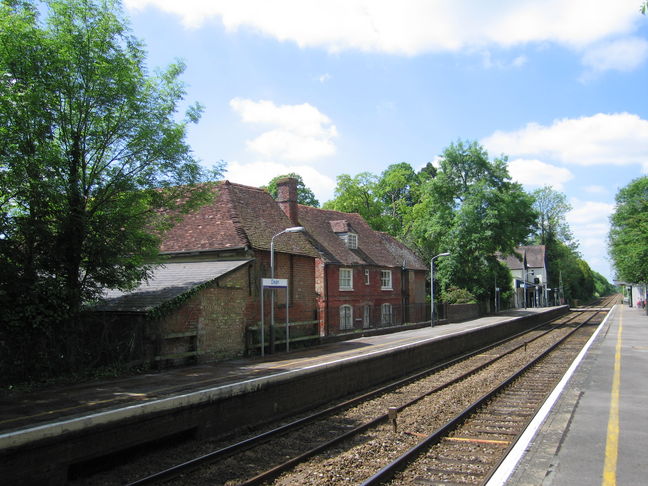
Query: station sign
{"points": [[275, 283]]}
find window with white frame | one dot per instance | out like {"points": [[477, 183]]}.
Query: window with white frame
{"points": [[385, 279], [386, 314], [346, 279], [367, 280], [346, 317], [352, 241]]}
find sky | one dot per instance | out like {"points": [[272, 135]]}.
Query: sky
{"points": [[324, 88]]}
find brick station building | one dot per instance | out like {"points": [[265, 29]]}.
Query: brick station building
{"points": [[204, 300]]}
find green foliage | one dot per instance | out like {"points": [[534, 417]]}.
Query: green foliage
{"points": [[397, 191], [385, 201], [358, 195], [304, 195], [628, 238], [552, 207], [93, 164], [467, 209], [455, 295], [601, 286]]}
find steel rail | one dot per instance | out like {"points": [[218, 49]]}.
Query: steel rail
{"points": [[246, 444], [403, 460]]}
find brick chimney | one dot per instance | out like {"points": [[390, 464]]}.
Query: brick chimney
{"points": [[287, 198]]}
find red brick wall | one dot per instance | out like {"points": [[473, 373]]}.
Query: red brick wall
{"points": [[300, 272], [362, 294]]}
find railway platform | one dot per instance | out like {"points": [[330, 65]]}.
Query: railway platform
{"points": [[61, 404], [46, 433], [594, 429]]}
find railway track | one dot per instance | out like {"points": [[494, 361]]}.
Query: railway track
{"points": [[360, 438]]}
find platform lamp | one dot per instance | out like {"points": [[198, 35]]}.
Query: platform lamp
{"points": [[292, 229], [432, 285]]}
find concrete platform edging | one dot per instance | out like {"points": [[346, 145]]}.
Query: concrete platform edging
{"points": [[222, 410]]}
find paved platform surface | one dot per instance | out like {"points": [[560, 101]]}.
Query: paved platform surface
{"points": [[597, 431], [21, 412]]}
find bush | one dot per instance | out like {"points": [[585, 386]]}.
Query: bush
{"points": [[456, 295]]}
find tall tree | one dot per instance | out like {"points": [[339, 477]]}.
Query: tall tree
{"points": [[397, 190], [552, 207], [358, 195], [628, 238], [305, 195], [90, 152], [472, 209]]}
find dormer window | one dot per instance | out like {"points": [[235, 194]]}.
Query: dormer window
{"points": [[352, 241], [343, 229]]}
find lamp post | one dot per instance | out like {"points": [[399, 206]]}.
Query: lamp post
{"points": [[292, 229], [432, 285]]}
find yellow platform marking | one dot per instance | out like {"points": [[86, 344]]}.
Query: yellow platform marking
{"points": [[612, 444]]}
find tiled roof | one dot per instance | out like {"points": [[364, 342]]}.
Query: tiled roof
{"points": [[535, 257], [239, 216], [340, 226], [403, 253], [371, 250], [167, 282]]}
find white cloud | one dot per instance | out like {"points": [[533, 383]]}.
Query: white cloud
{"points": [[597, 190], [601, 139], [324, 78], [260, 173], [536, 173], [297, 132], [620, 55], [590, 213], [589, 222], [412, 27], [489, 63]]}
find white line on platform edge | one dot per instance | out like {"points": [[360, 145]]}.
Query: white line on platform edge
{"points": [[509, 464]]}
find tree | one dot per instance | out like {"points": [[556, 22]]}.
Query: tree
{"points": [[552, 207], [397, 190], [473, 210], [358, 195], [91, 154], [628, 237], [601, 285], [304, 195]]}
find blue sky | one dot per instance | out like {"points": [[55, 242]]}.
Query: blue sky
{"points": [[345, 86]]}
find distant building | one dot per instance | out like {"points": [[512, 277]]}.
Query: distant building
{"points": [[528, 266]]}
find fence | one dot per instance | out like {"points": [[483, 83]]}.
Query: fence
{"points": [[347, 318]]}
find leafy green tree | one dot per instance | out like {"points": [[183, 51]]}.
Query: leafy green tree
{"points": [[473, 210], [602, 286], [358, 195], [628, 237], [552, 207], [304, 195], [397, 190], [90, 153]]}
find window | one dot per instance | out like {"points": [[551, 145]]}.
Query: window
{"points": [[385, 279], [366, 318], [352, 241], [386, 314], [346, 279], [367, 281], [346, 317]]}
